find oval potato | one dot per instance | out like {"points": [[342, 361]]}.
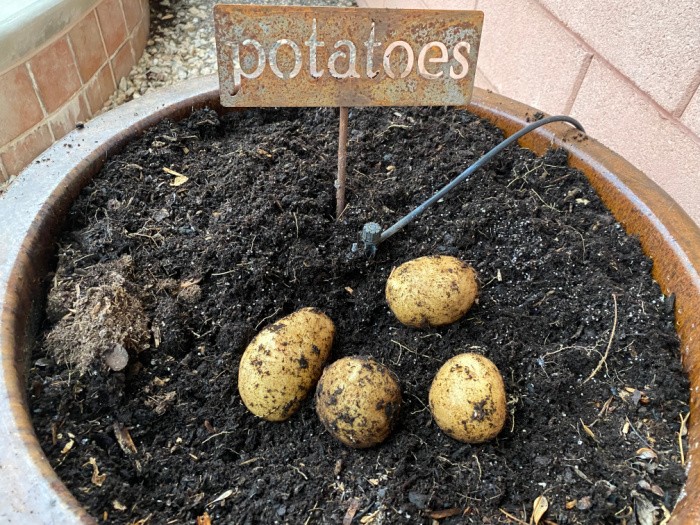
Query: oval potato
{"points": [[468, 398], [358, 401], [435, 290], [283, 363]]}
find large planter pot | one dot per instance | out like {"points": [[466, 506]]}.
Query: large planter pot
{"points": [[33, 209]]}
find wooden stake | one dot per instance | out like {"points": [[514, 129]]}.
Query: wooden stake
{"points": [[342, 162]]}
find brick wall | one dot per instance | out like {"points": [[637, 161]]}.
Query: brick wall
{"points": [[67, 79], [629, 70]]}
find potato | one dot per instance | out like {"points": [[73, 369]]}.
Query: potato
{"points": [[468, 399], [431, 291], [283, 362], [358, 401]]}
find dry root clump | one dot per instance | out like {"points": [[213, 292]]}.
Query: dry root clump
{"points": [[103, 321]]}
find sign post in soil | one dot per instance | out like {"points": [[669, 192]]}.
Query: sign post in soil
{"points": [[272, 56]]}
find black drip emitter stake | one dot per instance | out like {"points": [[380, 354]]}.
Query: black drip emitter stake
{"points": [[372, 235]]}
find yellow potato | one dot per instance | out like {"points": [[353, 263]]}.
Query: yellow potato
{"points": [[468, 398], [358, 401], [431, 291], [283, 363]]}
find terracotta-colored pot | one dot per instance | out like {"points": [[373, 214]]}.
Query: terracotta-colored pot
{"points": [[33, 209]]}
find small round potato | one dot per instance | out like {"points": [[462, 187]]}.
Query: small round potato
{"points": [[431, 291], [468, 399], [283, 362], [358, 401]]}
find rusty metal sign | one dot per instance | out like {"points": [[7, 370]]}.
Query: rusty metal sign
{"points": [[301, 56]]}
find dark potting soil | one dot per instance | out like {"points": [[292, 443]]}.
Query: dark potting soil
{"points": [[196, 267]]}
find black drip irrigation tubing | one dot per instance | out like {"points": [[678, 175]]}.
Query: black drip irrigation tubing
{"points": [[372, 235]]}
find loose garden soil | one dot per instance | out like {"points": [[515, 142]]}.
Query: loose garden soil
{"points": [[179, 274]]}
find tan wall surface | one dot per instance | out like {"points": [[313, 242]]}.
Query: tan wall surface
{"points": [[628, 70]]}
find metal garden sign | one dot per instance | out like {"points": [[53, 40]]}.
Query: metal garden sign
{"points": [[271, 56]]}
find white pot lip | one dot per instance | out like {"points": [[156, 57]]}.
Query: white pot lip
{"points": [[33, 205]]}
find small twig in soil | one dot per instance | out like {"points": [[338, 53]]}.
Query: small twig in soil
{"points": [[535, 166], [610, 340], [306, 478], [512, 402], [589, 432], [172, 172], [562, 349], [636, 433], [478, 465], [581, 475], [143, 521], [222, 273], [200, 336], [439, 336], [412, 351], [420, 401], [223, 496], [217, 376], [545, 297], [450, 463], [513, 518], [392, 126], [445, 513], [222, 433], [682, 432], [316, 508], [398, 359], [544, 203], [266, 318], [583, 241], [606, 407], [152, 238]]}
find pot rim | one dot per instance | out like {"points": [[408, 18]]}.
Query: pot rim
{"points": [[35, 204]]}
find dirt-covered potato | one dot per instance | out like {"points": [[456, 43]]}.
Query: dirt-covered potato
{"points": [[358, 401], [468, 398], [283, 363], [431, 291]]}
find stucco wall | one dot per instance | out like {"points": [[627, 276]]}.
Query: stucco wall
{"points": [[629, 70]]}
